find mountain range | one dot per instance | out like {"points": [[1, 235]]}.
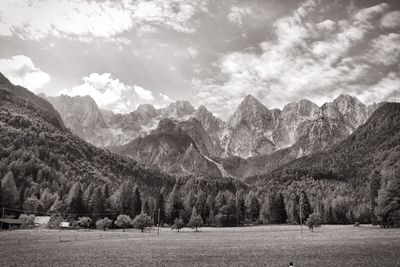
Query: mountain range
{"points": [[341, 155], [254, 140]]}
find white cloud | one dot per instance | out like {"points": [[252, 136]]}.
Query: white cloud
{"points": [[174, 14], [237, 14], [110, 93], [20, 70], [385, 50], [326, 25], [192, 52], [165, 98], [308, 59], [386, 89], [391, 20], [85, 19], [143, 93]]}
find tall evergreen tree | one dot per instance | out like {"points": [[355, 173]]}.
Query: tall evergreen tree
{"points": [[97, 203], [265, 211], [174, 205], [195, 220], [278, 211], [137, 203], [9, 191], [305, 206], [188, 204], [75, 201], [159, 209], [375, 181], [252, 206], [241, 207], [146, 207]]}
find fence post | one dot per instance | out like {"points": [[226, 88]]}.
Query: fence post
{"points": [[2, 216]]}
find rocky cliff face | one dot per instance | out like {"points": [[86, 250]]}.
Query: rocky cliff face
{"points": [[249, 131], [252, 133], [83, 117], [170, 149]]}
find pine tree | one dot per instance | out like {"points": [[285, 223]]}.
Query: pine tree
{"points": [[305, 206], [188, 205], [278, 211], [137, 202], [74, 200], [252, 206], [159, 209], [265, 211], [195, 220], [9, 191], [241, 207], [387, 209], [210, 210], [174, 205], [146, 208], [374, 186], [106, 198], [97, 203]]}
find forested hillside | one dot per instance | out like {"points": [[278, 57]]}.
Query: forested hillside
{"points": [[46, 169], [364, 170]]}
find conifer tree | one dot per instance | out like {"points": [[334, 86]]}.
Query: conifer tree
{"points": [[174, 205], [98, 203], [137, 202], [195, 220], [9, 191]]}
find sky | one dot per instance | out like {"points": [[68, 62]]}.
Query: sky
{"points": [[212, 52]]}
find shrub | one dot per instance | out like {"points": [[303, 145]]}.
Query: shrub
{"points": [[314, 220], [84, 222], [123, 221], [103, 224], [178, 224], [27, 220], [142, 221]]}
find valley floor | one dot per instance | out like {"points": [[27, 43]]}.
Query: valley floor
{"points": [[329, 245]]}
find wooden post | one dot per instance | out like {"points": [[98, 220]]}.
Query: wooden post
{"points": [[1, 223], [158, 222], [301, 211]]}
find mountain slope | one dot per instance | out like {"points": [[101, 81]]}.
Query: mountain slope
{"points": [[171, 149], [40, 152], [374, 146]]}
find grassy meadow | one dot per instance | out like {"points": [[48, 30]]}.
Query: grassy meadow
{"points": [[329, 245]]}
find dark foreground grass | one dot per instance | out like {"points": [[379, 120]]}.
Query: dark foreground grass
{"points": [[250, 246]]}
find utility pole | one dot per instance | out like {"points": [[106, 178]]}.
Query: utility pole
{"points": [[237, 202], [301, 211], [1, 223], [158, 222]]}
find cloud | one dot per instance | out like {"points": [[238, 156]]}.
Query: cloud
{"points": [[237, 14], [85, 20], [391, 20], [311, 56], [110, 93], [387, 89], [192, 52], [385, 50], [20, 70], [173, 14]]}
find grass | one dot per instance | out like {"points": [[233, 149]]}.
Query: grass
{"points": [[250, 246]]}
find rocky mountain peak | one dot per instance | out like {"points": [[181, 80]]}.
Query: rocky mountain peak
{"points": [[354, 112], [165, 125], [253, 113], [178, 109], [210, 123]]}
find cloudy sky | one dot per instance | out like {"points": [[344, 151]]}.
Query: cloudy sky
{"points": [[211, 52]]}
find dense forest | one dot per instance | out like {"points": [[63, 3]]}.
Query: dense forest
{"points": [[47, 170]]}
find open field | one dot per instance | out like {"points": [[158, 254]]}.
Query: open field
{"points": [[251, 246]]}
